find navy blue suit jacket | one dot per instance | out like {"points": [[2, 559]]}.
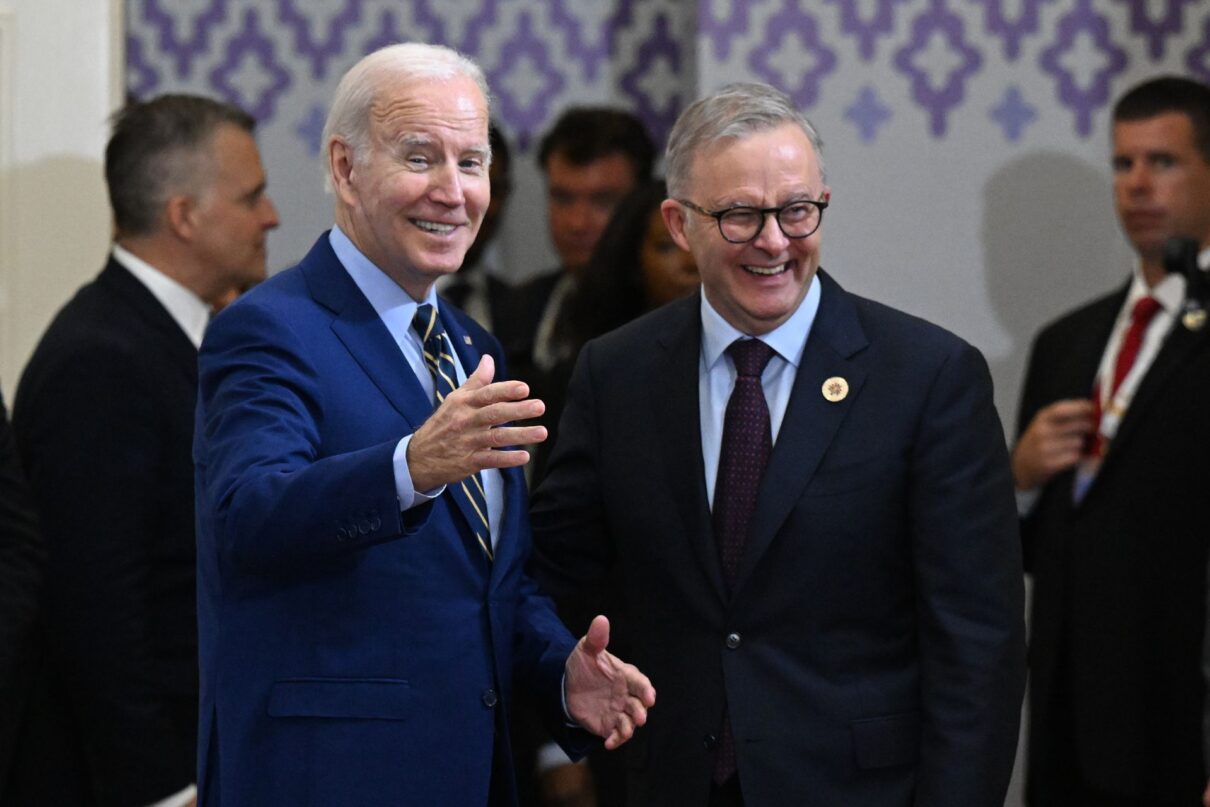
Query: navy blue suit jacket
{"points": [[871, 652], [350, 653]]}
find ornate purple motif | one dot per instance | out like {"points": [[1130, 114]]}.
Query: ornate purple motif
{"points": [[661, 45], [949, 93], [310, 129], [1198, 58], [472, 28], [142, 78], [524, 58], [332, 44], [1012, 32], [1086, 98], [591, 53], [389, 31], [868, 113], [721, 31], [780, 27], [1013, 114], [184, 50], [1157, 31], [868, 30], [232, 81]]}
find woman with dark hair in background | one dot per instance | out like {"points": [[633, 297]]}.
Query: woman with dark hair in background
{"points": [[635, 268]]}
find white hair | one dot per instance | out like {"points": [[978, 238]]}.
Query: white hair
{"points": [[349, 116]]}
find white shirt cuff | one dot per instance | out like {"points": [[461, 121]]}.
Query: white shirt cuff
{"points": [[409, 497]]}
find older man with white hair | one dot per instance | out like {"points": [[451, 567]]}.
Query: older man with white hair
{"points": [[363, 606]]}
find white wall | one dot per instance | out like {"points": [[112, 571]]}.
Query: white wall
{"points": [[60, 78]]}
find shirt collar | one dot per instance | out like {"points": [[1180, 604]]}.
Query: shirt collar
{"points": [[387, 297], [789, 339], [187, 310]]}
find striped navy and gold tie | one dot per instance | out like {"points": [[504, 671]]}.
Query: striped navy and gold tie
{"points": [[468, 493]]}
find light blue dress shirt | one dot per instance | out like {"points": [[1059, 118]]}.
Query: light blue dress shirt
{"points": [[396, 308], [716, 373]]}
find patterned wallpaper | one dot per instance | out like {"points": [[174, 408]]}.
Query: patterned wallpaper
{"points": [[280, 58]]}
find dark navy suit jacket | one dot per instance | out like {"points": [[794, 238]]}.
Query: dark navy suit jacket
{"points": [[350, 653], [871, 652]]}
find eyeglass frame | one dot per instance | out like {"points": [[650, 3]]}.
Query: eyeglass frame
{"points": [[764, 212]]}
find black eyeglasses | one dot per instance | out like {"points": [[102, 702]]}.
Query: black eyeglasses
{"points": [[739, 225]]}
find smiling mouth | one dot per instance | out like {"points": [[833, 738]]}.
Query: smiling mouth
{"points": [[434, 227], [766, 271]]}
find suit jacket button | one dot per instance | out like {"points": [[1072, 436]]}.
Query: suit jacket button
{"points": [[363, 526], [733, 640], [342, 534], [710, 742], [375, 523], [489, 698]]}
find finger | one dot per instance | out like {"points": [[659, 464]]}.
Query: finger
{"points": [[498, 413], [597, 637], [504, 436], [483, 374], [623, 730], [497, 392], [637, 711], [492, 458], [639, 686], [1069, 408]]}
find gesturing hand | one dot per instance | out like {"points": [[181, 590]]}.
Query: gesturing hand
{"points": [[1053, 442], [464, 434], [604, 694]]}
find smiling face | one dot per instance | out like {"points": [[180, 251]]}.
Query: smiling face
{"points": [[1161, 185], [758, 285], [414, 201]]}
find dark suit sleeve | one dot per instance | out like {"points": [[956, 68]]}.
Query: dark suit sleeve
{"points": [[276, 501], [94, 473], [21, 559], [970, 598]]}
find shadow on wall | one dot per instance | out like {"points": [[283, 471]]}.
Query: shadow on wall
{"points": [[1050, 242]]}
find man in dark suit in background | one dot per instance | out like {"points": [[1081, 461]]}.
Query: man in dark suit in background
{"points": [[802, 500], [104, 424], [363, 608], [1112, 463], [21, 559]]}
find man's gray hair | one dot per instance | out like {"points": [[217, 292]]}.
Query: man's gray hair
{"points": [[731, 113], [349, 117]]}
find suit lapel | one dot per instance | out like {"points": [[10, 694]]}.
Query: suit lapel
{"points": [[1174, 354], [361, 331], [674, 400], [810, 422]]}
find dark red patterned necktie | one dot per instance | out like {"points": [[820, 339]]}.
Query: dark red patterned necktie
{"points": [[747, 443]]}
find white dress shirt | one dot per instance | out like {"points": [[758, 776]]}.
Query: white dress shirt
{"points": [[188, 310], [716, 372]]}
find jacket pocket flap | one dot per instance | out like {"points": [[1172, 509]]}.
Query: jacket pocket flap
{"points": [[883, 741], [366, 698]]}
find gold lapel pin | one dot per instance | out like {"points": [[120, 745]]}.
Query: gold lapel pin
{"points": [[1194, 319], [467, 338], [835, 389]]}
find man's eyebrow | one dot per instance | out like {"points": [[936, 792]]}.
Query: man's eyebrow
{"points": [[416, 140]]}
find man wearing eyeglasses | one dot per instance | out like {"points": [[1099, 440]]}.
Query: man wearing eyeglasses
{"points": [[801, 500]]}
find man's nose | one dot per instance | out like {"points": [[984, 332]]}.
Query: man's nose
{"points": [[770, 238], [269, 220], [447, 186]]}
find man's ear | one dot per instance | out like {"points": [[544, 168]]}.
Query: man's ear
{"points": [[179, 215], [341, 166], [675, 221]]}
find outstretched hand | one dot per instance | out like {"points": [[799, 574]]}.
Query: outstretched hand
{"points": [[605, 695], [464, 434]]}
